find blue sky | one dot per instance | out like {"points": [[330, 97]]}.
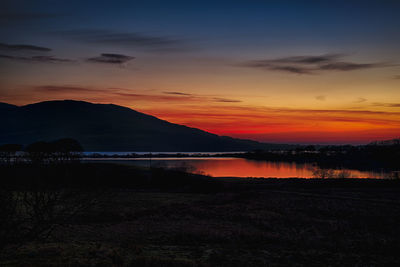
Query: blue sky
{"points": [[215, 24], [170, 58]]}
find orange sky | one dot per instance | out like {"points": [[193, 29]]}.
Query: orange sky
{"points": [[356, 122], [273, 71]]}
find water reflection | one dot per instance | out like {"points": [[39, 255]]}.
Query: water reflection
{"points": [[238, 167]]}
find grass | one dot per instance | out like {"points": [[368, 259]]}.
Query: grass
{"points": [[242, 222]]}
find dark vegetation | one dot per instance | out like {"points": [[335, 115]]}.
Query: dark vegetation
{"points": [[374, 156], [30, 206], [56, 211], [46, 185], [327, 161]]}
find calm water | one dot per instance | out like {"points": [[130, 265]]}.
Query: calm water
{"points": [[234, 167]]}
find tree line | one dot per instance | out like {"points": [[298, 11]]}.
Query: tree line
{"points": [[64, 150]]}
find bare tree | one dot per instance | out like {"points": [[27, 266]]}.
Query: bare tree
{"points": [[323, 173]]}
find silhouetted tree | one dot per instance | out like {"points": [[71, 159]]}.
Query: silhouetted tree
{"points": [[323, 173], [8, 152], [59, 151], [343, 174], [309, 148], [66, 150], [38, 152]]}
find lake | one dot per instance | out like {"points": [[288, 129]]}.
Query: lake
{"points": [[234, 167]]}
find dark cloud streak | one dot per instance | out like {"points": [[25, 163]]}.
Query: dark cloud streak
{"points": [[310, 64], [167, 96], [226, 100], [348, 66], [306, 59], [128, 40], [176, 93], [388, 105], [111, 59], [67, 89], [37, 59], [23, 47], [291, 69]]}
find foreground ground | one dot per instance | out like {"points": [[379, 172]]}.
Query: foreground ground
{"points": [[241, 222]]}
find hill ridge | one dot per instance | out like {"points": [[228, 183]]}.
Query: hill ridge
{"points": [[110, 127]]}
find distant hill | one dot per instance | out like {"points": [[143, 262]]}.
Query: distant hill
{"points": [[107, 127], [386, 142], [5, 106]]}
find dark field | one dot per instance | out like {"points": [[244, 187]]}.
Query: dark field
{"points": [[169, 218]]}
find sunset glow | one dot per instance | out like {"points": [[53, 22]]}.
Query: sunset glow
{"points": [[293, 78]]}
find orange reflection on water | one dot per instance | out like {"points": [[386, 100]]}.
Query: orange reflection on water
{"points": [[249, 168], [237, 167]]}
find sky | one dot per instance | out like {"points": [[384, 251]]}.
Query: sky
{"points": [[321, 72]]}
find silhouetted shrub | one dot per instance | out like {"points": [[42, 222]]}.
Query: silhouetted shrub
{"points": [[9, 222], [29, 213]]}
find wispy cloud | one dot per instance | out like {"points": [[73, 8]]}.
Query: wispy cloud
{"points": [[396, 77], [131, 95], [176, 93], [111, 59], [320, 97], [347, 66], [389, 105], [291, 69], [157, 97], [37, 59], [23, 47], [212, 99], [360, 100], [306, 59], [29, 53], [226, 100], [143, 41], [68, 89], [311, 64], [107, 58]]}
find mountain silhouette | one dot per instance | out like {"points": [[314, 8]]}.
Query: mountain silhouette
{"points": [[108, 127]]}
